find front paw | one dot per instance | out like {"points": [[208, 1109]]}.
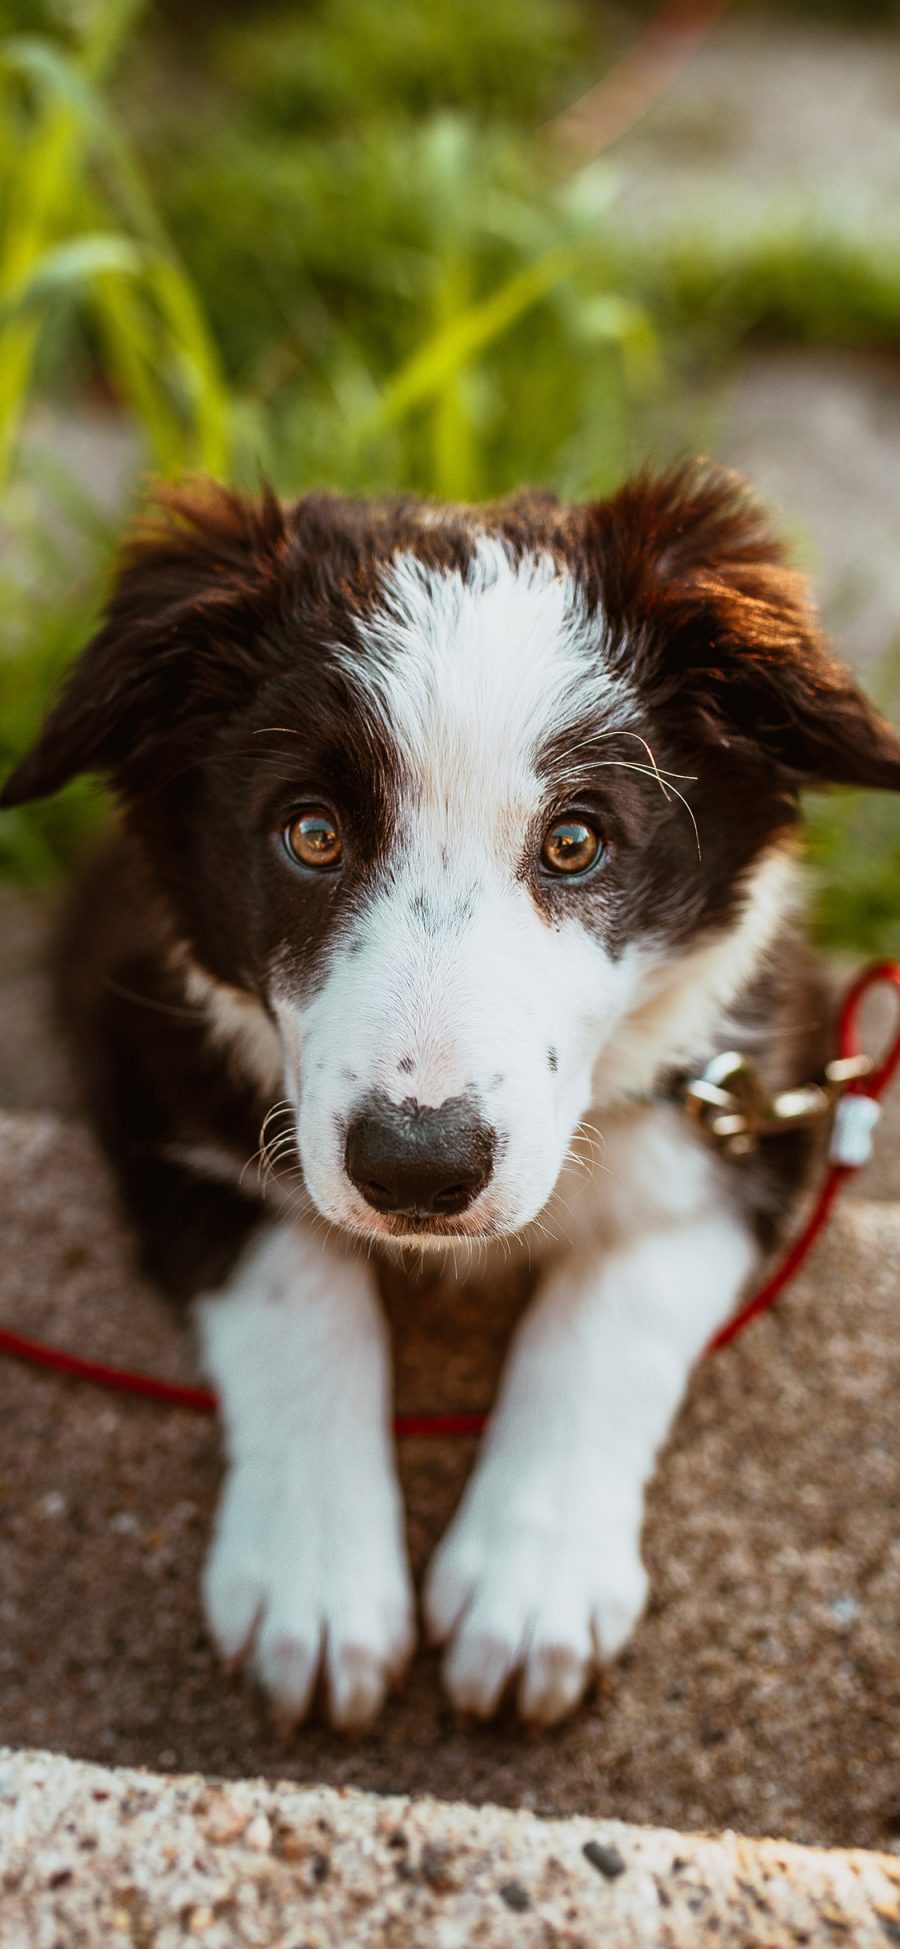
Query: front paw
{"points": [[518, 1598], [296, 1593]]}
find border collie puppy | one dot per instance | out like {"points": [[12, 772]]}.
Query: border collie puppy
{"points": [[451, 837]]}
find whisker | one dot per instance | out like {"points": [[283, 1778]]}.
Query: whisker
{"points": [[269, 1166], [594, 1139], [282, 1108]]}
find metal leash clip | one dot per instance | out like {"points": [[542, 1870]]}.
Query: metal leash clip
{"points": [[732, 1111]]}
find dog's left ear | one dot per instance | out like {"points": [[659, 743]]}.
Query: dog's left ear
{"points": [[702, 604], [176, 644]]}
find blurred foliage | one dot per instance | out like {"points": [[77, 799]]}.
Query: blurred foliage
{"points": [[48, 619], [316, 66], [335, 244], [854, 853], [808, 277], [79, 225]]}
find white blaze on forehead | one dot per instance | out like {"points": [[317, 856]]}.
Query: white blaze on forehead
{"points": [[471, 670]]}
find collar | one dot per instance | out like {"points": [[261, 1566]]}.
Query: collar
{"points": [[731, 1109]]}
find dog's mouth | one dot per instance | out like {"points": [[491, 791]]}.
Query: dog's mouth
{"points": [[407, 1229]]}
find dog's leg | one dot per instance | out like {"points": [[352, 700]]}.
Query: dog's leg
{"points": [[307, 1571], [540, 1573]]}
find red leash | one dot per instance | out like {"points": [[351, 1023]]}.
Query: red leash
{"points": [[855, 1116]]}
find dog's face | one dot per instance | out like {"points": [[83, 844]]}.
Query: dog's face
{"points": [[484, 807], [451, 962]]}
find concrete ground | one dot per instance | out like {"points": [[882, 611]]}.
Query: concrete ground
{"points": [[771, 116], [91, 1856]]}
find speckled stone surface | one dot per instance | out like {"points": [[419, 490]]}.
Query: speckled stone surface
{"points": [[90, 1857]]}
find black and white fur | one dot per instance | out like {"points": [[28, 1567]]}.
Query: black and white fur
{"points": [[446, 682]]}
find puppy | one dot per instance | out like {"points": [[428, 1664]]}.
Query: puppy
{"points": [[452, 840]]}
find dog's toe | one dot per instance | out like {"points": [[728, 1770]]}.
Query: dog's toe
{"points": [[287, 1665], [554, 1677], [477, 1669], [357, 1683], [364, 1658]]}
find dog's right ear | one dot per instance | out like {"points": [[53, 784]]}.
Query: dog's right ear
{"points": [[194, 585]]}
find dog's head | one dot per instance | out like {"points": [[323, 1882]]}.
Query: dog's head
{"points": [[489, 809]]}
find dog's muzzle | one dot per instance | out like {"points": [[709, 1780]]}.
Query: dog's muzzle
{"points": [[414, 1161]]}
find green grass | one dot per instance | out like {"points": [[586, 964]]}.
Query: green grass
{"points": [[854, 852], [796, 276]]}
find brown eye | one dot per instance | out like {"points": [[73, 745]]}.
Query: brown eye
{"points": [[314, 839], [571, 846]]}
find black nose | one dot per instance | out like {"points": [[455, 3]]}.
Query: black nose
{"points": [[419, 1162]]}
